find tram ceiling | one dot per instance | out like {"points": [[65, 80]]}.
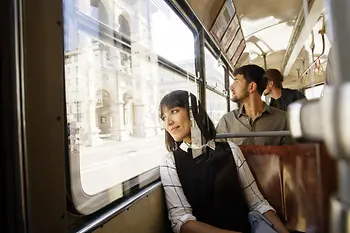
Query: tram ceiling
{"points": [[283, 10], [263, 23], [272, 29], [301, 32], [206, 10]]}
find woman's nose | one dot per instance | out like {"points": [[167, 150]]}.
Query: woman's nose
{"points": [[169, 121]]}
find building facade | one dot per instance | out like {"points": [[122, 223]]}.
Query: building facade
{"points": [[113, 78]]}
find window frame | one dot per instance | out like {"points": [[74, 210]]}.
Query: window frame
{"points": [[84, 204]]}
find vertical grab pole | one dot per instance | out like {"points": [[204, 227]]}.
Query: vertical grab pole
{"points": [[265, 62], [227, 86], [200, 66], [339, 29]]}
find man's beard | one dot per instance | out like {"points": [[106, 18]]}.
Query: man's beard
{"points": [[239, 99]]}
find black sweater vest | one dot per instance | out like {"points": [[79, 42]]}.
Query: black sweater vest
{"points": [[212, 187]]}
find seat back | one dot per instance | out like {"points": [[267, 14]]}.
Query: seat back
{"points": [[297, 180]]}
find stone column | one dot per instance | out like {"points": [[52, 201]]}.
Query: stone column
{"points": [[117, 125], [138, 73], [117, 116], [92, 79]]}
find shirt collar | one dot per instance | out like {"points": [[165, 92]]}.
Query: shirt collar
{"points": [[241, 110], [197, 151], [267, 108]]}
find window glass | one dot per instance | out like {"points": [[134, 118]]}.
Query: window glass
{"points": [[233, 105], [168, 31], [215, 73], [216, 106], [215, 78], [314, 92], [115, 75]]}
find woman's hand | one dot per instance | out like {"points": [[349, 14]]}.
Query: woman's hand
{"points": [[276, 222]]}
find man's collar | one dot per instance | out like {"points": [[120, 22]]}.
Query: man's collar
{"points": [[241, 110], [267, 108]]}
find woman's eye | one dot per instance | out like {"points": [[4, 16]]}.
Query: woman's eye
{"points": [[174, 111]]}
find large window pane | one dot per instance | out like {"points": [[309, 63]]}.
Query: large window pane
{"points": [[114, 82], [216, 106], [215, 78], [215, 73], [233, 105], [167, 32]]}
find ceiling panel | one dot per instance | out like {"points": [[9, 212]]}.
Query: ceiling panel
{"points": [[206, 10], [267, 26]]}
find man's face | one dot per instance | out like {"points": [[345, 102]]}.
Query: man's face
{"points": [[239, 88]]}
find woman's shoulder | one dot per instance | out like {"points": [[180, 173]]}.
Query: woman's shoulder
{"points": [[168, 157], [224, 148], [229, 149], [236, 153], [225, 145]]}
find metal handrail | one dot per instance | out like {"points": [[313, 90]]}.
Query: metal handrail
{"points": [[253, 134], [105, 217]]}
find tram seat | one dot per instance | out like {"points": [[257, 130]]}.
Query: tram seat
{"points": [[297, 180]]}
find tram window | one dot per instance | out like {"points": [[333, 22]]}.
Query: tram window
{"points": [[215, 73], [314, 92], [117, 135], [233, 105], [216, 106], [215, 77]]}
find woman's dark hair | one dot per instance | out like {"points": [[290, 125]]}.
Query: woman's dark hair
{"points": [[181, 98]]}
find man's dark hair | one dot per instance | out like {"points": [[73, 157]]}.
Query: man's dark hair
{"points": [[253, 73], [275, 76]]}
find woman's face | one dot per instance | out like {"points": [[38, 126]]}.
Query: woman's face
{"points": [[177, 123]]}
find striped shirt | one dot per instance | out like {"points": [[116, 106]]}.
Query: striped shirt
{"points": [[180, 211]]}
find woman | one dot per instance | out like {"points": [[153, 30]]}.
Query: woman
{"points": [[208, 187]]}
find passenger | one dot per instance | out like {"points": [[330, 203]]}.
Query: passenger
{"points": [[254, 115], [281, 97], [208, 186]]}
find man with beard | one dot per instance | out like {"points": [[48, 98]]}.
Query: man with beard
{"points": [[254, 115]]}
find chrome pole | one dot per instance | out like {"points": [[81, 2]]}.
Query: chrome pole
{"points": [[253, 134], [339, 28]]}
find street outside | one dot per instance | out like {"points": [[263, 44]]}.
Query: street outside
{"points": [[111, 163]]}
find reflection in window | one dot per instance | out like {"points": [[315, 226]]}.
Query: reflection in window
{"points": [[314, 92], [171, 38], [113, 95]]}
